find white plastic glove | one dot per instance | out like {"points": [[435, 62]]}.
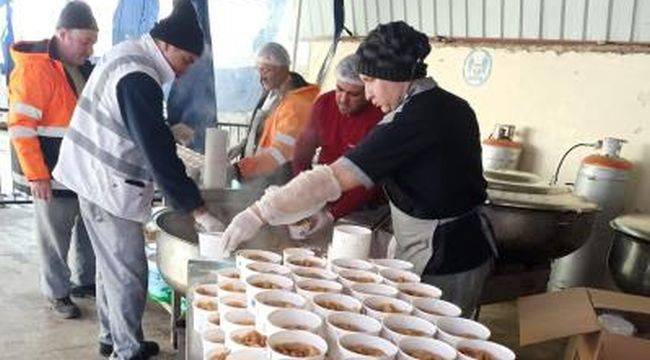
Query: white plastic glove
{"points": [[208, 223], [314, 224], [242, 228], [303, 196]]}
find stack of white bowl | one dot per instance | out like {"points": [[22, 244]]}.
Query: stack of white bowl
{"points": [[344, 309]]}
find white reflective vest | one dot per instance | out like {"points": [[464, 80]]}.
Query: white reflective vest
{"points": [[98, 159]]}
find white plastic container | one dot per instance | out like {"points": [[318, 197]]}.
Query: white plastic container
{"points": [[453, 329], [431, 346], [496, 351], [292, 319], [382, 264], [398, 327], [394, 277], [232, 338], [227, 274], [325, 304], [216, 353], [205, 292], [350, 241], [247, 256], [263, 282], [349, 277], [300, 274], [231, 287], [411, 291], [379, 307], [351, 264], [284, 338], [232, 302], [267, 302], [211, 340], [310, 288], [213, 322], [236, 319], [201, 310], [249, 354], [302, 261], [363, 291], [296, 251], [434, 309], [350, 344], [259, 267], [212, 246]]}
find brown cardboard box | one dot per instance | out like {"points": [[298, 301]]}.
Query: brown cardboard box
{"points": [[574, 313]]}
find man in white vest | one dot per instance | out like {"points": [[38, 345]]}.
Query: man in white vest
{"points": [[117, 145]]}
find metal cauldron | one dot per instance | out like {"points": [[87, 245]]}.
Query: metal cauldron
{"points": [[629, 257], [538, 227]]}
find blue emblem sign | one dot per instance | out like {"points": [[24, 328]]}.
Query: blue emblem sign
{"points": [[478, 65]]}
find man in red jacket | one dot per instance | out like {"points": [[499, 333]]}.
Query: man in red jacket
{"points": [[339, 120]]}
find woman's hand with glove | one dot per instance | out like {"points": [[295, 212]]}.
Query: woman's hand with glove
{"points": [[315, 223], [242, 228]]}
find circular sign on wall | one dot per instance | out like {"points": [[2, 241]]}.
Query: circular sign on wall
{"points": [[477, 68]]}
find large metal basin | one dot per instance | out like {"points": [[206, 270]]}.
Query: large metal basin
{"points": [[177, 241], [531, 235], [629, 261]]}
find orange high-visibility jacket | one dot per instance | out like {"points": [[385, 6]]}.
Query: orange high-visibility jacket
{"points": [[42, 99], [281, 129]]}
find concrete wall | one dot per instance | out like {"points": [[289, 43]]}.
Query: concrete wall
{"points": [[556, 98]]}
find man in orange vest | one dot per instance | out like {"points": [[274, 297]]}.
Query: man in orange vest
{"points": [[279, 121], [43, 88]]}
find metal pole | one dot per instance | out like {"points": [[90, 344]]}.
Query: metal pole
{"points": [[296, 36]]}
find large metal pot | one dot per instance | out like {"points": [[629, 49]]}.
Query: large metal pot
{"points": [[177, 241], [629, 257], [538, 227]]}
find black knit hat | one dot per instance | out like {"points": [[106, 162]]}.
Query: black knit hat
{"points": [[395, 52], [180, 28], [77, 15]]}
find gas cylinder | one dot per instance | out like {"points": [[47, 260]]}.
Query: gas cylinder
{"points": [[500, 151], [602, 179]]}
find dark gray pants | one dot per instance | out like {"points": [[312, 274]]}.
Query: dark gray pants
{"points": [[65, 252], [121, 278]]}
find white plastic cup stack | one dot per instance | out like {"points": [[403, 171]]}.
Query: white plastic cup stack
{"points": [[296, 337], [350, 241], [348, 344], [212, 246], [430, 346], [395, 326], [265, 304], [293, 319], [496, 351], [453, 329], [434, 309]]}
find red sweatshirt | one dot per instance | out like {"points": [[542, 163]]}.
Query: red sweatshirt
{"points": [[335, 134]]}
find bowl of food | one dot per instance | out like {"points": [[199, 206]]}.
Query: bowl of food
{"points": [[382, 264], [245, 338], [411, 291], [379, 307], [362, 291], [453, 329], [349, 277], [300, 274], [310, 288], [231, 287], [303, 261], [247, 256], [342, 323], [201, 310], [262, 282], [293, 319], [397, 327], [267, 302], [296, 344], [237, 319], [213, 323], [205, 292], [219, 352], [364, 346], [287, 252], [229, 273], [419, 348], [259, 267], [212, 339], [350, 264], [325, 304], [483, 350], [394, 277], [434, 309]]}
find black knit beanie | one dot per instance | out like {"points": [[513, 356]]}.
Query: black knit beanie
{"points": [[77, 15], [394, 52], [180, 28]]}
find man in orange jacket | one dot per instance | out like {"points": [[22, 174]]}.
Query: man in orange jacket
{"points": [[43, 88], [279, 121]]}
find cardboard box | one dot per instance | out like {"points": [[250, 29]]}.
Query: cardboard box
{"points": [[574, 313]]}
